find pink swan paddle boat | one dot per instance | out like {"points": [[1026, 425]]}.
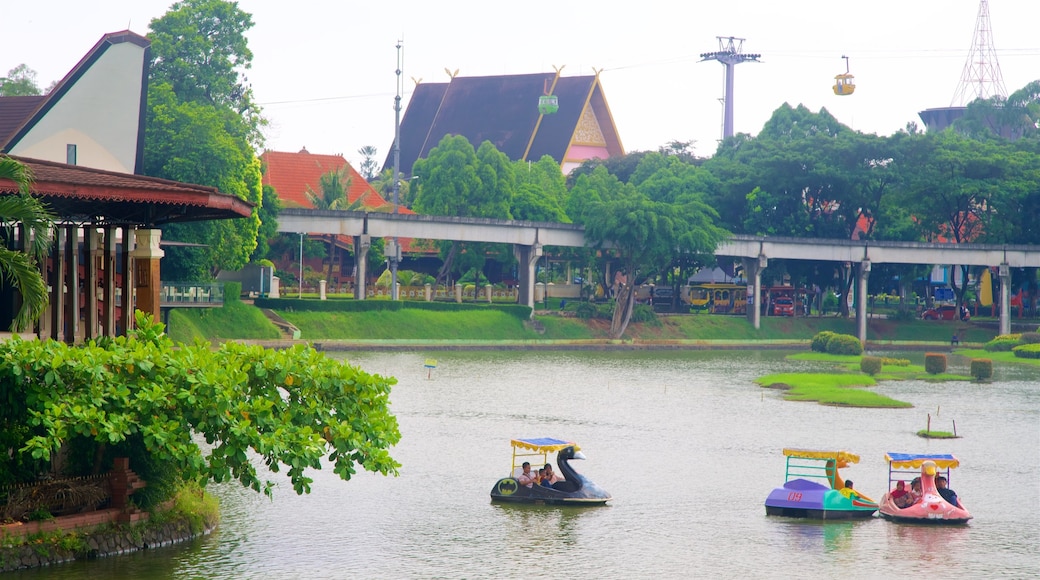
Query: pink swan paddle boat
{"points": [[931, 508]]}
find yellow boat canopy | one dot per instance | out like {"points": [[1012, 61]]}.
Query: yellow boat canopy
{"points": [[843, 458], [909, 460], [543, 444]]}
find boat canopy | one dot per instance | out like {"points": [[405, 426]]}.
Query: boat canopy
{"points": [[911, 460], [543, 444], [843, 458]]}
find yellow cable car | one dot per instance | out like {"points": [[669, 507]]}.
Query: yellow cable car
{"points": [[844, 84]]}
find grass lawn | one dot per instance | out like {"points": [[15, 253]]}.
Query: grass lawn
{"points": [[1005, 357], [235, 320]]}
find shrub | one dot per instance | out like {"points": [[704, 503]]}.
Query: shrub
{"points": [[643, 313], [896, 362], [1027, 351], [870, 365], [585, 310], [819, 342], [1029, 338], [844, 344], [1002, 343], [903, 315], [981, 369], [935, 363]]}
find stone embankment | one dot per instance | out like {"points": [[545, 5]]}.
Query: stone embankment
{"points": [[110, 540]]}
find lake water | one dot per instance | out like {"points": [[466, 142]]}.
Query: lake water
{"points": [[687, 444]]}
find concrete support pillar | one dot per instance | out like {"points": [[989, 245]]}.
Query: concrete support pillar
{"points": [[753, 271], [487, 292], [1005, 299], [361, 245], [527, 257], [321, 289], [458, 293], [428, 292], [861, 301], [147, 254]]}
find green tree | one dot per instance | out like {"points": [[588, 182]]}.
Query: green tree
{"points": [[292, 409], [369, 167], [203, 127], [268, 215], [18, 268], [646, 235], [456, 180], [19, 82]]}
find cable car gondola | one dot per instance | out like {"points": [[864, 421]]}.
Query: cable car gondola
{"points": [[844, 84], [547, 103]]}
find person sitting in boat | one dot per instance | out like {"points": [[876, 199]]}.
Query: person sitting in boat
{"points": [[847, 491], [550, 475], [527, 478], [900, 496], [915, 491], [543, 479], [947, 494]]}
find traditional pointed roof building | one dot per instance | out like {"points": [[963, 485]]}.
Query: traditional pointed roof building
{"points": [[505, 111]]}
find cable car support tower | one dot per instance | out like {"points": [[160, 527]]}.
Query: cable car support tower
{"points": [[981, 74], [730, 53]]}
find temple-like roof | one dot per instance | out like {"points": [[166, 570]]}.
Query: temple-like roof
{"points": [[290, 174], [85, 195], [504, 111]]}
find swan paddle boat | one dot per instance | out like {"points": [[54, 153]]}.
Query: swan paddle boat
{"points": [[932, 508], [573, 489], [813, 488]]}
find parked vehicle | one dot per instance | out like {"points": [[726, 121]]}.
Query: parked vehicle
{"points": [[946, 312], [783, 306]]}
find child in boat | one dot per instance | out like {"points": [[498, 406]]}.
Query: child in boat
{"points": [[543, 478], [915, 491]]}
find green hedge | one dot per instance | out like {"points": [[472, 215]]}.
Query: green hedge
{"points": [[1027, 351], [982, 368], [935, 363], [819, 342], [295, 304], [1029, 338], [844, 344], [870, 365], [1003, 343]]}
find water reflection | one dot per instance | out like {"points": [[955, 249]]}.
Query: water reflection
{"points": [[542, 527]]}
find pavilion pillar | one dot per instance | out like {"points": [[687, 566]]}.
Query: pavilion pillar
{"points": [[72, 281], [361, 245], [861, 301], [126, 300], [146, 256], [90, 282], [1004, 272], [108, 284], [57, 279]]}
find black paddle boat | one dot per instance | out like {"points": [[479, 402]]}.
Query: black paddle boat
{"points": [[572, 489]]}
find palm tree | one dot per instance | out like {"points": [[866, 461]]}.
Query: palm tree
{"points": [[334, 186], [20, 268]]}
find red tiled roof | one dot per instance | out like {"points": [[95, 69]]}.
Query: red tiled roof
{"points": [[73, 192], [292, 173]]}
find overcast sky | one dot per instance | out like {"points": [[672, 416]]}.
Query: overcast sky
{"points": [[324, 70]]}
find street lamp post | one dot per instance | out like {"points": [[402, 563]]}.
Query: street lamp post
{"points": [[301, 265], [395, 249]]}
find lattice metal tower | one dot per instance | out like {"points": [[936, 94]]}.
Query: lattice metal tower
{"points": [[981, 78], [730, 54]]}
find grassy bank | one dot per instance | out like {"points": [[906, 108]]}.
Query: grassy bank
{"points": [[241, 321]]}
